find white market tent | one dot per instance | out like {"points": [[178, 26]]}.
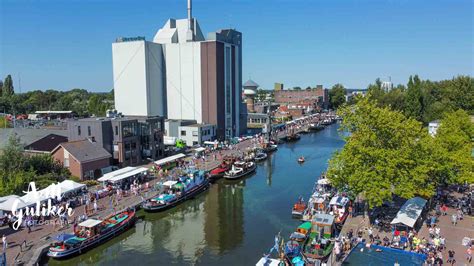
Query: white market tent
{"points": [[112, 174], [324, 181], [136, 171], [200, 149], [90, 223], [68, 186], [41, 196], [169, 159], [9, 201], [410, 212]]}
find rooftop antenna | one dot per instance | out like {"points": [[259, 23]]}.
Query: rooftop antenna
{"points": [[190, 33]]}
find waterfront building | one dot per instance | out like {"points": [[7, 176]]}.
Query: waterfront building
{"points": [[196, 134], [130, 140], [85, 159], [433, 127], [316, 97], [183, 75], [257, 120]]}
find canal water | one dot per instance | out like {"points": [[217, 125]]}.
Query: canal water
{"points": [[233, 223]]}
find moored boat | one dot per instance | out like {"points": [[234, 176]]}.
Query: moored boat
{"points": [[315, 127], [220, 170], [298, 208], [320, 242], [91, 233], [301, 159], [260, 156], [338, 206], [177, 191], [240, 169]]}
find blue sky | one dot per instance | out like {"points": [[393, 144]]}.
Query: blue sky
{"points": [[67, 44]]}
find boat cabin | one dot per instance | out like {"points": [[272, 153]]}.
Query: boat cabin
{"points": [[319, 244], [304, 228], [89, 228], [338, 207]]}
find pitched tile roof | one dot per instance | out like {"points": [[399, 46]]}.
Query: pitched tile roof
{"points": [[85, 150], [46, 143]]}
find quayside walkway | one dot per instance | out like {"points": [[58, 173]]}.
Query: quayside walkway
{"points": [[27, 248]]}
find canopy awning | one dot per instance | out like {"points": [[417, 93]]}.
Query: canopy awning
{"points": [[128, 174], [112, 174], [323, 181], [169, 159], [90, 223], [70, 186], [200, 149], [169, 183], [410, 212]]}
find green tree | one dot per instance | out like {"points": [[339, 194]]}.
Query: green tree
{"points": [[308, 88], [7, 88], [385, 154], [414, 98], [454, 139], [297, 88], [337, 96]]}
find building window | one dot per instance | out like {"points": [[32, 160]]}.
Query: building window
{"points": [[78, 130], [195, 133], [89, 131], [183, 132], [116, 130], [195, 143]]}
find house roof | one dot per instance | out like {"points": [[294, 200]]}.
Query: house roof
{"points": [[46, 143], [85, 150]]}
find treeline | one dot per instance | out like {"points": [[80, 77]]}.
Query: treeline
{"points": [[389, 151], [80, 101], [426, 100], [18, 169]]}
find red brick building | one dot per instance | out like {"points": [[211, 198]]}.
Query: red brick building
{"points": [[84, 159], [316, 97]]}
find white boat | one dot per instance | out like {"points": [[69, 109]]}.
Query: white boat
{"points": [[240, 169], [261, 156]]}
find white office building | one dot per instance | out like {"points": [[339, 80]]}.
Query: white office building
{"points": [[183, 75]]}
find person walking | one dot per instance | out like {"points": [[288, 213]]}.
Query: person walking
{"points": [[451, 258], [469, 254], [95, 206], [4, 243], [454, 219]]}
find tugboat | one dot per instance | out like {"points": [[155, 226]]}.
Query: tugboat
{"points": [[298, 208], [240, 169], [301, 159], [177, 191], [91, 233], [338, 206], [320, 242]]}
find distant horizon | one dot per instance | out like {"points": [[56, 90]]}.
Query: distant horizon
{"points": [[297, 43]]}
